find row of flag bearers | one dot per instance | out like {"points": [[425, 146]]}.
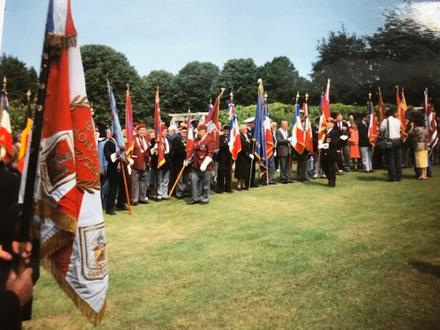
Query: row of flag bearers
{"points": [[66, 173]]}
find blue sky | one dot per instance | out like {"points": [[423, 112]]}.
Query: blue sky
{"points": [[167, 34]]}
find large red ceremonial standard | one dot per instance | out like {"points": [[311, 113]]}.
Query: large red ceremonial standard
{"points": [[325, 112], [68, 216], [129, 123]]}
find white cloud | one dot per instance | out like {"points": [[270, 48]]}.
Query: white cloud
{"points": [[427, 13]]}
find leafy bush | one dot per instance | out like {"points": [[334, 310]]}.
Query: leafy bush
{"points": [[280, 111]]}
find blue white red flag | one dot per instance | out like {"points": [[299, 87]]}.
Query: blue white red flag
{"points": [[116, 124], [234, 132], [297, 129], [308, 132], [6, 141]]}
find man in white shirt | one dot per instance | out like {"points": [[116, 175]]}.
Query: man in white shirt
{"points": [[390, 128]]}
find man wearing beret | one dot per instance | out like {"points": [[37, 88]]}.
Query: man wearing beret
{"points": [[202, 165]]}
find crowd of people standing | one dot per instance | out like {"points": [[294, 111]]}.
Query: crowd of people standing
{"points": [[344, 147]]}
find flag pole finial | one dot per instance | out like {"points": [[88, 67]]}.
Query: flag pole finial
{"points": [[222, 90], [28, 94], [260, 85], [4, 83], [369, 96], [231, 95], [265, 96], [307, 97]]}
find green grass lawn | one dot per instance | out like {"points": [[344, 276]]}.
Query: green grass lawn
{"points": [[363, 255]]}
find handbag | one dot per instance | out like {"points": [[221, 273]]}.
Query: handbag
{"points": [[384, 142]]}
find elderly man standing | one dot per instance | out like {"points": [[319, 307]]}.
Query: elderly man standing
{"points": [[202, 166]]}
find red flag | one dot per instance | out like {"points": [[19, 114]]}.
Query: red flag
{"points": [[158, 129], [380, 108], [325, 110], [372, 126], [401, 110], [212, 122], [67, 201], [129, 122]]}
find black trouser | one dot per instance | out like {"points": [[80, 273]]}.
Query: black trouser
{"points": [[116, 187], [284, 168], [328, 165], [224, 177], [301, 169], [392, 156]]}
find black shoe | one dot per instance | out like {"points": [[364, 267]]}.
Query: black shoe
{"points": [[110, 212], [144, 202], [135, 203], [122, 208], [204, 202], [192, 202]]}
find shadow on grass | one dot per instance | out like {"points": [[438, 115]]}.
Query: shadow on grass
{"points": [[317, 182], [373, 177], [425, 267]]}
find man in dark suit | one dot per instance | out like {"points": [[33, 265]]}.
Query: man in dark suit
{"points": [[329, 146], [178, 146], [224, 159], [343, 154], [114, 177], [284, 150]]}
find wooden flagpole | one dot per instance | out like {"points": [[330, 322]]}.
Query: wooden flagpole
{"points": [[176, 181], [127, 195]]}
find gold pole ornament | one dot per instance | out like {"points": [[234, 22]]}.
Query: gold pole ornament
{"points": [[28, 94]]}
